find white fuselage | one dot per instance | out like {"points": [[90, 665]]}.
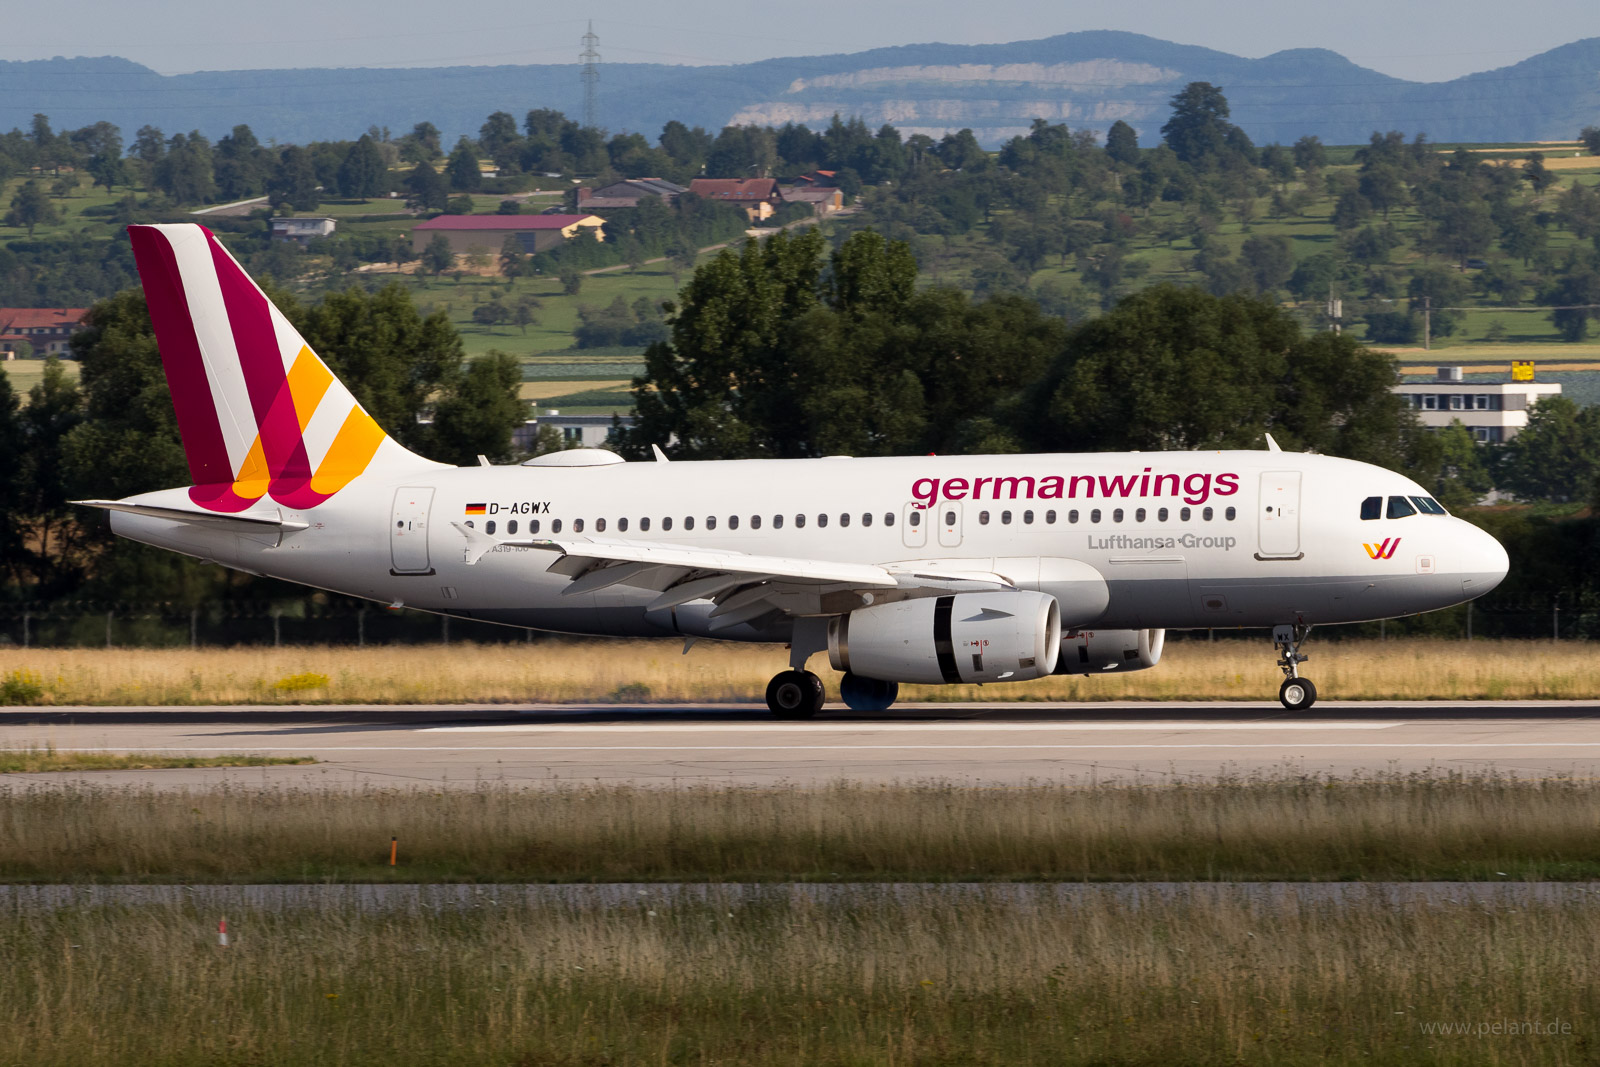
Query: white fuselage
{"points": [[1181, 539]]}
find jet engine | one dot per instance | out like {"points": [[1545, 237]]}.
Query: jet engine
{"points": [[1008, 636], [1110, 651]]}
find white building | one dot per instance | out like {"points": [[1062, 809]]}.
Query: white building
{"points": [[1494, 411], [301, 229], [577, 431]]}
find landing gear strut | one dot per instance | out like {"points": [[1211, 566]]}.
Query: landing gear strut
{"points": [[1296, 693], [795, 695]]}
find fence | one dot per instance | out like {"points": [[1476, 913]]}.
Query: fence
{"points": [[1561, 615]]}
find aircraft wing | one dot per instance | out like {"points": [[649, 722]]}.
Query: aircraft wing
{"points": [[744, 586]]}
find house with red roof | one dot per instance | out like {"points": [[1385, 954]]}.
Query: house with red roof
{"points": [[487, 233], [46, 330], [759, 197]]}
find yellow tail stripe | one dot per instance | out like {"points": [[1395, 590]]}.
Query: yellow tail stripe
{"points": [[352, 449], [308, 381]]}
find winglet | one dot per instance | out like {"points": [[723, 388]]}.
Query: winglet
{"points": [[661, 457], [1272, 446], [478, 544]]}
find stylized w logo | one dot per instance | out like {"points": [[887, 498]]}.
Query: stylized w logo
{"points": [[1383, 551]]}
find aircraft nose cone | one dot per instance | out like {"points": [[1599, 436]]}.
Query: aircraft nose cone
{"points": [[1486, 562]]}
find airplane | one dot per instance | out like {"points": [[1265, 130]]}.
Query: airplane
{"points": [[911, 569]]}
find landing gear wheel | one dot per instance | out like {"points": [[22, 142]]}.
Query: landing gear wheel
{"points": [[867, 694], [1297, 694], [795, 695]]}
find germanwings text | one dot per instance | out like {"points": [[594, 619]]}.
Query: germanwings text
{"points": [[1194, 488]]}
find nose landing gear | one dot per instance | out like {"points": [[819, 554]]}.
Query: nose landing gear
{"points": [[1296, 693]]}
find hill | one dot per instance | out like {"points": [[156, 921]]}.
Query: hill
{"points": [[1088, 79]]}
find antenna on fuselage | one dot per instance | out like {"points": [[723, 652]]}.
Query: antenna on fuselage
{"points": [[1272, 446], [661, 457]]}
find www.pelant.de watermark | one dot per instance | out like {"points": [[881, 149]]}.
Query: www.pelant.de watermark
{"points": [[1498, 1028]]}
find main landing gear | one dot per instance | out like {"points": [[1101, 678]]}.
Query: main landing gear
{"points": [[1296, 693], [795, 695]]}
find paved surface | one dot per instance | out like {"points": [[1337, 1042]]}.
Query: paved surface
{"points": [[439, 745]]}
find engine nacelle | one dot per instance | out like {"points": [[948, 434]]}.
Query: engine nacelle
{"points": [[1110, 651], [962, 637]]}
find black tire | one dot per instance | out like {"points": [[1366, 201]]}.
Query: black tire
{"points": [[867, 694], [795, 695], [1297, 694]]}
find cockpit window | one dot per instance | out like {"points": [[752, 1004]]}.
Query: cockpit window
{"points": [[1400, 507], [1372, 507], [1429, 506]]}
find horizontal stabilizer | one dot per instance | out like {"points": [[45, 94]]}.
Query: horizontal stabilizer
{"points": [[252, 519]]}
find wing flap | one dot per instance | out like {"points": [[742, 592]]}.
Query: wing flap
{"points": [[250, 519]]}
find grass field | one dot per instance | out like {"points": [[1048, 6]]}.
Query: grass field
{"points": [[913, 978], [43, 760], [655, 671], [27, 373], [1271, 827]]}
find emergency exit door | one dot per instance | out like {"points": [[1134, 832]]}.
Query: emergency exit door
{"points": [[408, 530], [1278, 512]]}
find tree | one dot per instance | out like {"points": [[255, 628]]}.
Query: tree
{"points": [[523, 314], [499, 139], [513, 260], [54, 409], [362, 174], [108, 170], [186, 173], [31, 207], [426, 188], [294, 181], [421, 145], [1590, 136], [462, 168], [438, 256], [1198, 131], [1309, 154], [571, 281], [1270, 261], [242, 165], [1556, 456], [1122, 144], [491, 314], [1461, 477], [1536, 174], [481, 409]]}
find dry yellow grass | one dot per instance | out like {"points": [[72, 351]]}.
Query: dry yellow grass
{"points": [[655, 672], [913, 977], [545, 388]]}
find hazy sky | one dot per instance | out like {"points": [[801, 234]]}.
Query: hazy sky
{"points": [[1424, 40]]}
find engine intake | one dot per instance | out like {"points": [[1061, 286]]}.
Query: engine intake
{"points": [[961, 637], [1110, 651]]}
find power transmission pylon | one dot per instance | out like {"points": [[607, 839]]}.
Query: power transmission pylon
{"points": [[591, 74]]}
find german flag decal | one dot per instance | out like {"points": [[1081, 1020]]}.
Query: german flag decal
{"points": [[476, 509]]}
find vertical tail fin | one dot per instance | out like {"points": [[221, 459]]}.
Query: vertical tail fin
{"points": [[260, 414]]}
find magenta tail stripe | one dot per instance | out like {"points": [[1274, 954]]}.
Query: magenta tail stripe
{"points": [[266, 379], [198, 425]]}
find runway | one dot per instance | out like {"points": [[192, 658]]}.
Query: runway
{"points": [[437, 746]]}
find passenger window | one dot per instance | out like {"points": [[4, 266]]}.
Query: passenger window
{"points": [[866, 518], [1027, 518], [577, 526], [1072, 516], [916, 519], [555, 526], [488, 527], [1231, 514], [666, 523], [1094, 516], [644, 524], [1005, 518], [1372, 508], [1161, 515], [1116, 514], [511, 527], [1050, 518], [533, 526], [1183, 514], [599, 526], [799, 522], [733, 522], [777, 522], [949, 518], [1206, 513], [688, 522], [755, 522], [844, 519], [1138, 516], [622, 525], [711, 522], [822, 520], [983, 518], [888, 518], [1400, 507]]}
